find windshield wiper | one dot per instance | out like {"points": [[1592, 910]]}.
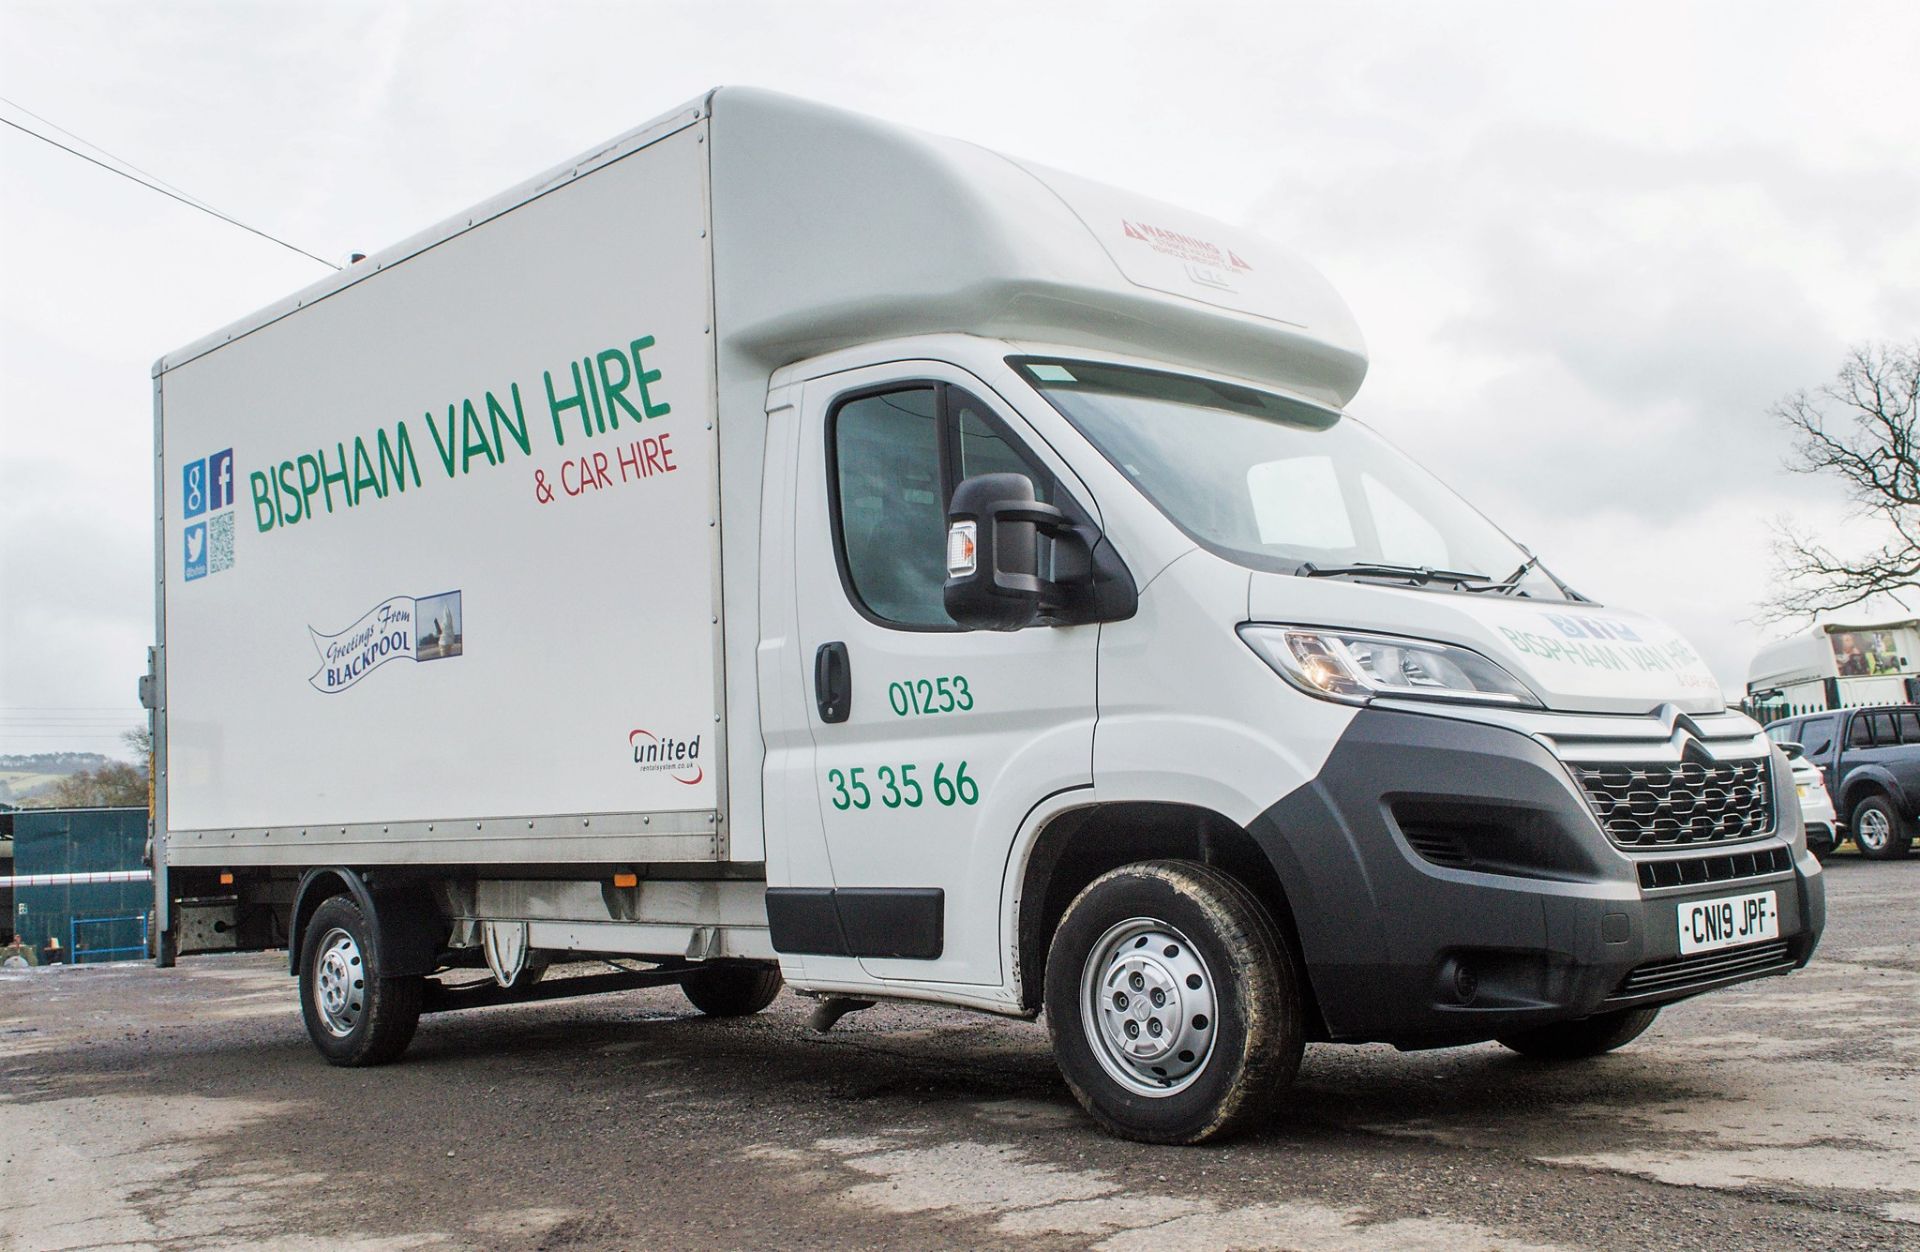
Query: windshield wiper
{"points": [[1510, 585], [1420, 574]]}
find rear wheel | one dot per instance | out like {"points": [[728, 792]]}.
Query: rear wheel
{"points": [[732, 990], [354, 1015], [1590, 1036], [1172, 1003], [1879, 830]]}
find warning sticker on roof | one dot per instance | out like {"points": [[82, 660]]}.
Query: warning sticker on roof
{"points": [[1165, 248], [1207, 263]]}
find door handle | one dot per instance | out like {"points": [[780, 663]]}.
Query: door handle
{"points": [[833, 681]]}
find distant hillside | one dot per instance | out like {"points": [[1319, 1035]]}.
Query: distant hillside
{"points": [[25, 775], [53, 762]]}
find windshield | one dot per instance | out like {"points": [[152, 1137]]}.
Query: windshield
{"points": [[1277, 483]]}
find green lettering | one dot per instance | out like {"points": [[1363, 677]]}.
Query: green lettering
{"points": [[398, 458], [444, 447], [364, 479], [338, 476], [593, 393], [473, 435], [263, 510], [577, 400], [647, 378], [309, 480], [615, 390], [500, 418], [291, 492]]}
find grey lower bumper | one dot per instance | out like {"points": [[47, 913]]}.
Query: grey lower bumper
{"points": [[1410, 940]]}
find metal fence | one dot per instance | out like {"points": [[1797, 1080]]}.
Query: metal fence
{"points": [[81, 891]]}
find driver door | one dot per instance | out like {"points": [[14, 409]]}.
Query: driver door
{"points": [[930, 743]]}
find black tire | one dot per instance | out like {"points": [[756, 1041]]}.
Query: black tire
{"points": [[1590, 1036], [373, 1017], [1879, 830], [1253, 1037], [732, 990]]}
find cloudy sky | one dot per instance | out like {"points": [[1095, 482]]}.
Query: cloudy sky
{"points": [[1589, 245]]}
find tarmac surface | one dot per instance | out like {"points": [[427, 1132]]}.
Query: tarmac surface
{"points": [[184, 1108]]}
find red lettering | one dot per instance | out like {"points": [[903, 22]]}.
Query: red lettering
{"points": [[666, 455], [600, 478], [572, 488], [629, 458]]}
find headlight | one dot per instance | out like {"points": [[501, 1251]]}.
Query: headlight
{"points": [[1356, 667]]}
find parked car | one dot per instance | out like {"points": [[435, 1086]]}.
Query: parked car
{"points": [[1870, 761], [1816, 806]]}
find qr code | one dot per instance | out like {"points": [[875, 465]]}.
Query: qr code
{"points": [[219, 542]]}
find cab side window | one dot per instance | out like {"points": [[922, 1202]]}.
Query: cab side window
{"points": [[894, 458], [892, 512], [1883, 735], [1817, 736], [1859, 733], [980, 447]]}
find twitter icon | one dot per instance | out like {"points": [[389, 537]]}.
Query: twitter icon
{"points": [[196, 551]]}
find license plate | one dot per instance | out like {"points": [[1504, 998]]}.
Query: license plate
{"points": [[1802, 790], [1728, 921]]}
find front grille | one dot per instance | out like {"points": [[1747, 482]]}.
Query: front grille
{"points": [[1688, 973], [1687, 871], [1654, 805]]}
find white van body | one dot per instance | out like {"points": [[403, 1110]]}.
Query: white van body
{"points": [[1835, 665], [534, 550]]}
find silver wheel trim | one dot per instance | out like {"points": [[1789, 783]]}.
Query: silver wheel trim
{"points": [[339, 983], [1871, 829], [1152, 1047]]}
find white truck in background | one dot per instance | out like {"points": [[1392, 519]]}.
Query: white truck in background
{"points": [[1835, 665], [782, 546]]}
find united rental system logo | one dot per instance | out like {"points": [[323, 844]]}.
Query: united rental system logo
{"points": [[206, 487], [678, 757]]}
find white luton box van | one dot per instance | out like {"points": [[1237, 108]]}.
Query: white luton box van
{"points": [[779, 545]]}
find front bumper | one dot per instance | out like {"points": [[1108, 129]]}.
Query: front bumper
{"points": [[1449, 883]]}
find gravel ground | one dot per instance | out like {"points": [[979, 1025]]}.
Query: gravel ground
{"points": [[184, 1108]]}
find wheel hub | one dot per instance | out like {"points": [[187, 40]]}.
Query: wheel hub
{"points": [[339, 982], [1874, 829], [1147, 1004]]}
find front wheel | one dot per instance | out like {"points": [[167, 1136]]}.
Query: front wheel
{"points": [[1879, 830], [1590, 1036], [353, 1014], [1172, 1003]]}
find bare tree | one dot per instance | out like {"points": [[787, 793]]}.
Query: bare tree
{"points": [[112, 785], [139, 742], [1863, 428]]}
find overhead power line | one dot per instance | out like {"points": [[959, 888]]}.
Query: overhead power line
{"points": [[82, 139], [155, 185]]}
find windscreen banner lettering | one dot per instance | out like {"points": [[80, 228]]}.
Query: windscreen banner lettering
{"points": [[590, 398], [1601, 644]]}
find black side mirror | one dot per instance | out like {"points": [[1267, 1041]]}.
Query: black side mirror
{"points": [[994, 580], [1793, 750]]}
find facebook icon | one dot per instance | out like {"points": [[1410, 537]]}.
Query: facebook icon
{"points": [[219, 480], [208, 484]]}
